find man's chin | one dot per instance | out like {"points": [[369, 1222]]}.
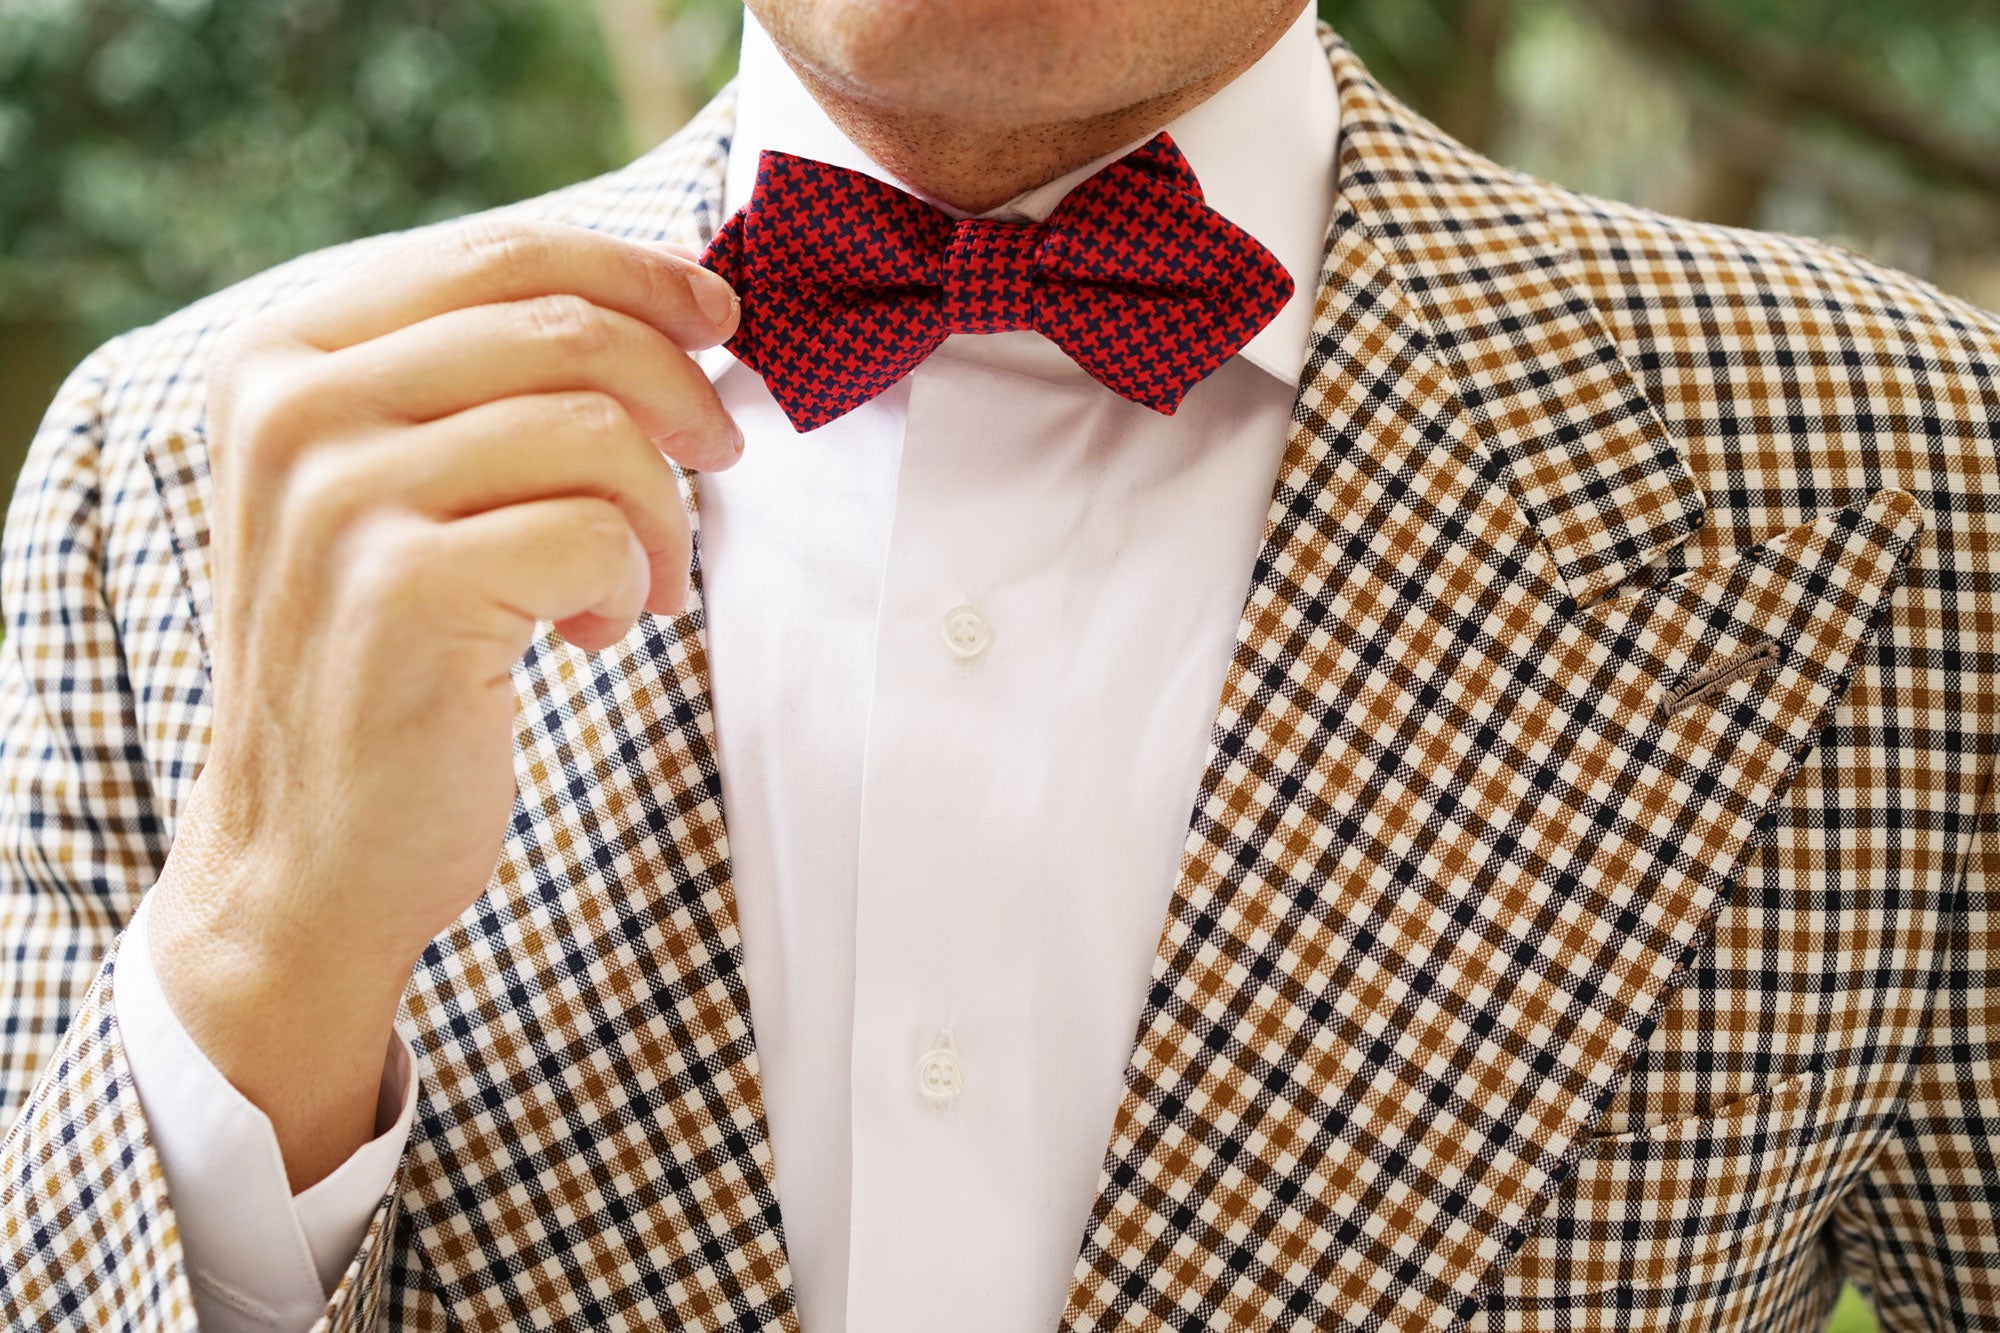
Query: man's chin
{"points": [[998, 62]]}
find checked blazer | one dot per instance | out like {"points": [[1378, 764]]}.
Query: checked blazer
{"points": [[1584, 916]]}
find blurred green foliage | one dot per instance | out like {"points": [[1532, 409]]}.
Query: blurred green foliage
{"points": [[1873, 123], [152, 150], [1942, 55]]}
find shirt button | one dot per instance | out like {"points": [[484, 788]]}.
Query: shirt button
{"points": [[965, 632], [940, 1073]]}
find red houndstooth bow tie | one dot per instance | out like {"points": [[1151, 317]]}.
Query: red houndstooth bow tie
{"points": [[848, 283]]}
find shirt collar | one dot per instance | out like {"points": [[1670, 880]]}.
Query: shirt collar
{"points": [[1263, 147]]}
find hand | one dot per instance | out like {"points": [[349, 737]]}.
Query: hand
{"points": [[414, 461]]}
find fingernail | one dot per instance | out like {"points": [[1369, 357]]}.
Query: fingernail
{"points": [[736, 435], [716, 298]]}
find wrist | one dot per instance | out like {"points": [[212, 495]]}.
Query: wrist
{"points": [[297, 1021]]}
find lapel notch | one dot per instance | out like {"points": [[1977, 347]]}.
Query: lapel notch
{"points": [[1591, 463]]}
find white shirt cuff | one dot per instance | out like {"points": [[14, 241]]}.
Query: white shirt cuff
{"points": [[260, 1257]]}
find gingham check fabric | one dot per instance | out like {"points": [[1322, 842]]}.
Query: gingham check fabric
{"points": [[847, 283], [1583, 921]]}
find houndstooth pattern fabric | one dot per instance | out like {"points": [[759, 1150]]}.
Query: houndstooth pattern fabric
{"points": [[848, 283], [1584, 918]]}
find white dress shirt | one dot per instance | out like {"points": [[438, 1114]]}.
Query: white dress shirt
{"points": [[967, 643]]}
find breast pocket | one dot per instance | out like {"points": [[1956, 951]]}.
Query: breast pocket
{"points": [[1679, 1219]]}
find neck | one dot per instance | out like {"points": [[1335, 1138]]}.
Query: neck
{"points": [[975, 165]]}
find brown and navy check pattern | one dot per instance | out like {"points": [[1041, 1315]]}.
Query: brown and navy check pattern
{"points": [[848, 283], [1547, 952]]}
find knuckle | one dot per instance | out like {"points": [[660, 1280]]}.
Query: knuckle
{"points": [[484, 244], [570, 324], [263, 412], [333, 486], [317, 514], [663, 284], [231, 371], [394, 565], [601, 530], [595, 415], [232, 347]]}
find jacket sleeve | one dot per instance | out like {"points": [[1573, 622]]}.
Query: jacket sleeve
{"points": [[88, 1237], [1920, 1232]]}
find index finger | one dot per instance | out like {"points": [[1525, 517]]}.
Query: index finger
{"points": [[487, 260]]}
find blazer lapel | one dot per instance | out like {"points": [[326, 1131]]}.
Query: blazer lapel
{"points": [[1459, 829]]}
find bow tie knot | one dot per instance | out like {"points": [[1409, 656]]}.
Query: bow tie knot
{"points": [[989, 275], [847, 283]]}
